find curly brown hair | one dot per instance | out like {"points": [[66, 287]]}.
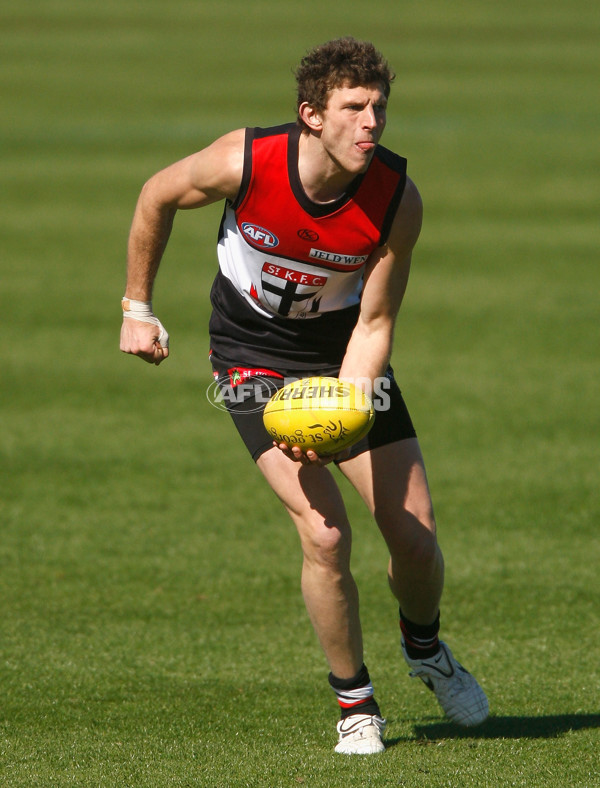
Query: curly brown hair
{"points": [[337, 62]]}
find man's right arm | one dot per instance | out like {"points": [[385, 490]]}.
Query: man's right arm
{"points": [[213, 174]]}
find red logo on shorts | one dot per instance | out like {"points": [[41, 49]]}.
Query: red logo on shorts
{"points": [[239, 375]]}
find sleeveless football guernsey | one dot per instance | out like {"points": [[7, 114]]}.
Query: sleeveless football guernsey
{"points": [[287, 293]]}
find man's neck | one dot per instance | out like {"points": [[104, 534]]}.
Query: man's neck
{"points": [[322, 179]]}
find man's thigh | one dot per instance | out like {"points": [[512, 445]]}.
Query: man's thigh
{"points": [[393, 483], [305, 490]]}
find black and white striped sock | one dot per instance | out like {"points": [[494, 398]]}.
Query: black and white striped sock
{"points": [[355, 695], [421, 642]]}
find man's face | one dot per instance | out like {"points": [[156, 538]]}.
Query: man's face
{"points": [[352, 125]]}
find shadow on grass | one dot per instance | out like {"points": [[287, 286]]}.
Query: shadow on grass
{"points": [[548, 727]]}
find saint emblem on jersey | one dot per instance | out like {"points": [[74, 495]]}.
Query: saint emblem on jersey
{"points": [[289, 292]]}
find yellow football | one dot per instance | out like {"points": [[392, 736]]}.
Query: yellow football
{"points": [[320, 413]]}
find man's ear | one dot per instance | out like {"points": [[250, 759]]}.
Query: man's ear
{"points": [[311, 116]]}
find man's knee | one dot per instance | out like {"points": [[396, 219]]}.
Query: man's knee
{"points": [[423, 550], [412, 540], [327, 545]]}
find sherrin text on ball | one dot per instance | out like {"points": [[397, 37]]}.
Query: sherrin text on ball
{"points": [[323, 414]]}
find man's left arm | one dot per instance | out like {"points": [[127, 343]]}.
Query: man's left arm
{"points": [[386, 277]]}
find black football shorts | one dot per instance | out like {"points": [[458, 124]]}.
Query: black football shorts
{"points": [[244, 392]]}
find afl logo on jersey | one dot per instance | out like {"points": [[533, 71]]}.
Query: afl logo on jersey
{"points": [[258, 236]]}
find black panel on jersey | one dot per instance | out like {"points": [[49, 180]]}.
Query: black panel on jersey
{"points": [[238, 331]]}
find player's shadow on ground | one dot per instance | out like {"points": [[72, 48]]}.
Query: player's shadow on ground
{"points": [[548, 727]]}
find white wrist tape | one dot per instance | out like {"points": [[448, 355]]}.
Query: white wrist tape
{"points": [[142, 311]]}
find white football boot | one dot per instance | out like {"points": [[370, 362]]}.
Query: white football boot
{"points": [[457, 691], [360, 734]]}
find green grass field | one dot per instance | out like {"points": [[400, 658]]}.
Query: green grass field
{"points": [[152, 629]]}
